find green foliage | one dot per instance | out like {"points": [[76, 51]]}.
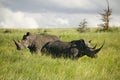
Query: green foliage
{"points": [[111, 29], [82, 30], [21, 65], [44, 32]]}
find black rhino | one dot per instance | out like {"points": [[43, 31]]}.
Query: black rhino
{"points": [[73, 49]]}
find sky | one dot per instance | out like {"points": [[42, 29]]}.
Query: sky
{"points": [[55, 13]]}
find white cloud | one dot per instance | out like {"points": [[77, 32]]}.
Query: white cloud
{"points": [[50, 20], [115, 20], [63, 6], [9, 19], [62, 21], [54, 13], [74, 3]]}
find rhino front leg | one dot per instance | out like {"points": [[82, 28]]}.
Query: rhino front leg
{"points": [[73, 53]]}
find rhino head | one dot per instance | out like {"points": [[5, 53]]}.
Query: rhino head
{"points": [[92, 52], [85, 48], [25, 42]]}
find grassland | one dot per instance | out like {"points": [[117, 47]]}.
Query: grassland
{"points": [[21, 65]]}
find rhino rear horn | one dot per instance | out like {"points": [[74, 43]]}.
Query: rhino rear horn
{"points": [[94, 47], [97, 50]]}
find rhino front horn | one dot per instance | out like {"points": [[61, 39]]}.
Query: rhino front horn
{"points": [[97, 50], [17, 44]]}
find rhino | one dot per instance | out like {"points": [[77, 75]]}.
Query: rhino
{"points": [[73, 49], [34, 41]]}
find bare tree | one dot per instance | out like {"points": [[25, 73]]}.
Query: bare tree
{"points": [[106, 17]]}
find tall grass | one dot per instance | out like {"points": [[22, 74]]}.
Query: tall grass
{"points": [[21, 65]]}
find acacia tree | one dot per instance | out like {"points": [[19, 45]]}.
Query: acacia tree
{"points": [[106, 16], [82, 26]]}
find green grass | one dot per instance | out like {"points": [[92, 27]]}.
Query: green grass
{"points": [[21, 65]]}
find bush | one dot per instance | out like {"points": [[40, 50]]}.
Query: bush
{"points": [[111, 29], [81, 30]]}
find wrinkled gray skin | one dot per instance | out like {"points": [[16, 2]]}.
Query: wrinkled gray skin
{"points": [[73, 49], [34, 41]]}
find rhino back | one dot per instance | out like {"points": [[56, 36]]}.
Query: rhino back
{"points": [[43, 39]]}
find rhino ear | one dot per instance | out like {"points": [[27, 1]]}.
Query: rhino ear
{"points": [[28, 33]]}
